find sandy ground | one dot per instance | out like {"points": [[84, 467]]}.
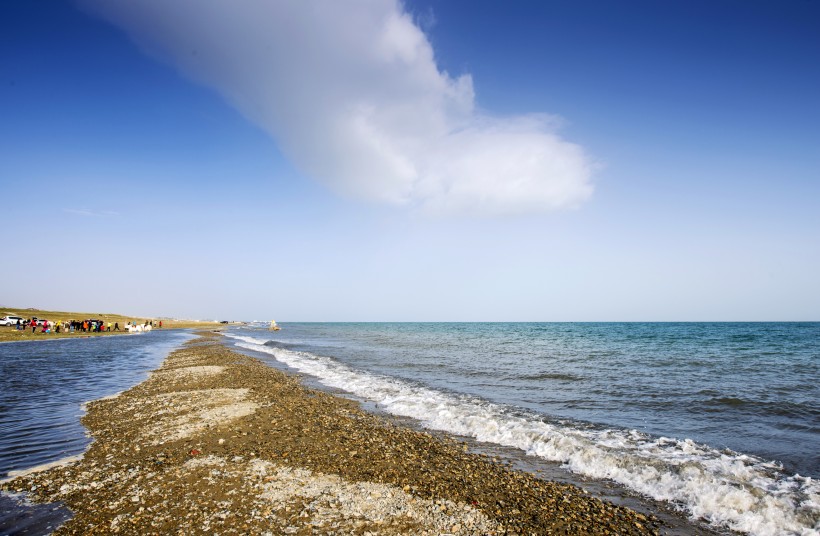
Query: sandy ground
{"points": [[215, 442], [11, 334]]}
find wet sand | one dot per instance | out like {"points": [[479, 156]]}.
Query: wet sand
{"points": [[218, 442]]}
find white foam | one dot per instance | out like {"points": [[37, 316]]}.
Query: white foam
{"points": [[729, 490]]}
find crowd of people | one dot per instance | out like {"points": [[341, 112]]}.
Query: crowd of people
{"points": [[78, 326]]}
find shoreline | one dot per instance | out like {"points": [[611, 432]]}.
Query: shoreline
{"points": [[10, 335], [41, 337], [217, 441]]}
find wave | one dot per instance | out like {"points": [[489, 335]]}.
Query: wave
{"points": [[280, 344], [550, 376], [727, 489], [796, 410]]}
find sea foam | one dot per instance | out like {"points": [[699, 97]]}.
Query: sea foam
{"points": [[726, 489]]}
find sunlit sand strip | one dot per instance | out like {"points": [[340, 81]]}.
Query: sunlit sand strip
{"points": [[186, 373], [84, 405], [177, 362], [62, 462], [328, 500], [190, 412], [336, 500]]}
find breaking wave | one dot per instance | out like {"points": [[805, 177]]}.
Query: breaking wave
{"points": [[725, 488]]}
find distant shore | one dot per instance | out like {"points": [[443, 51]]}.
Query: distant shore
{"points": [[11, 334], [216, 441]]}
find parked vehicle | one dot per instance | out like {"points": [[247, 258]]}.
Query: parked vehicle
{"points": [[10, 320]]}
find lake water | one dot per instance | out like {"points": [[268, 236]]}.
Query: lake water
{"points": [[43, 386], [719, 420]]}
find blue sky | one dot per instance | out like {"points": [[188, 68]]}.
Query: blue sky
{"points": [[379, 161]]}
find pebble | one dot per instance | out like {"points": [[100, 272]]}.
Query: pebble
{"points": [[368, 474]]}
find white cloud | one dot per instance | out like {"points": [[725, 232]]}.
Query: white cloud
{"points": [[352, 94]]}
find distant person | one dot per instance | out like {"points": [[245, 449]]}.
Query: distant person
{"points": [[160, 324], [116, 326]]}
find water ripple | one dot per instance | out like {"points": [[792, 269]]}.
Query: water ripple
{"points": [[44, 383]]}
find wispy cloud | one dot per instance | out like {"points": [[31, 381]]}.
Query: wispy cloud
{"points": [[90, 213], [352, 94]]}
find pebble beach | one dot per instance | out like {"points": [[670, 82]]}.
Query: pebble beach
{"points": [[218, 442]]}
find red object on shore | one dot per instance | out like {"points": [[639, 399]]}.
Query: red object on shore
{"points": [[195, 452]]}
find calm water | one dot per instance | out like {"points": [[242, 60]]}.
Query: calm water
{"points": [[44, 384], [720, 420]]}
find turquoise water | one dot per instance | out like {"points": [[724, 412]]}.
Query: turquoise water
{"points": [[721, 420]]}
